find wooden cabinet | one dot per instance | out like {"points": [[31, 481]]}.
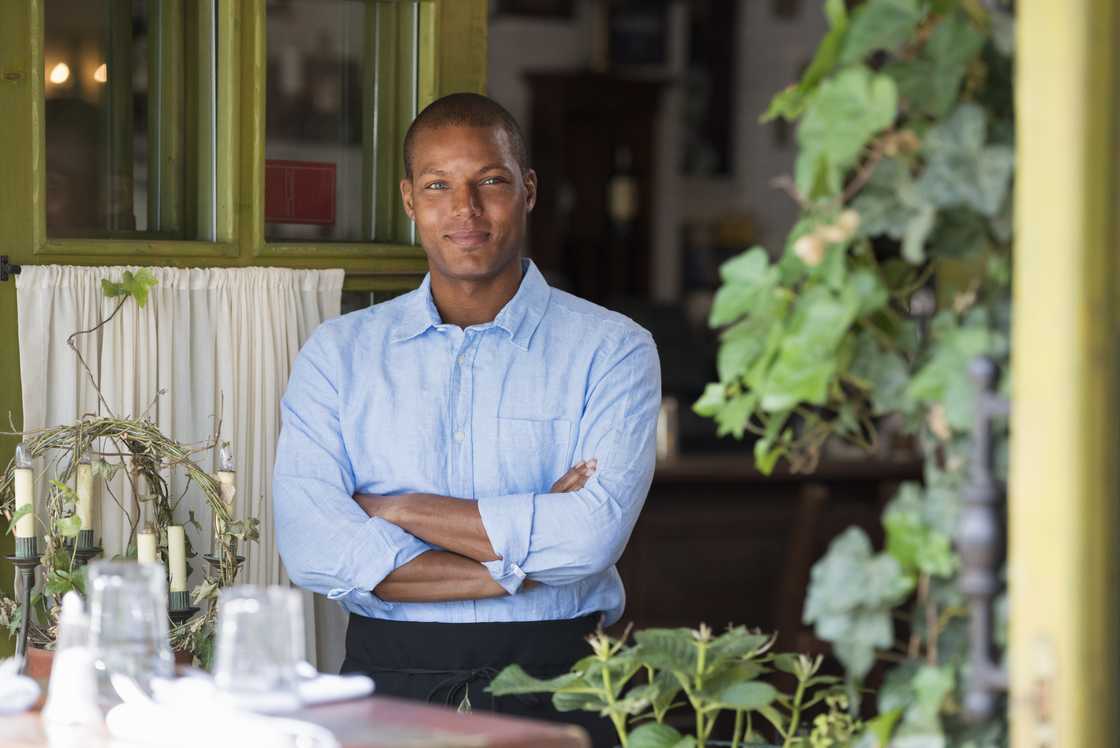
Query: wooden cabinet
{"points": [[586, 129], [719, 543]]}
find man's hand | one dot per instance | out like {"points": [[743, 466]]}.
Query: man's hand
{"points": [[386, 507], [576, 478]]}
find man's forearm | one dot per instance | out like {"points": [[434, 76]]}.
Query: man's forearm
{"points": [[454, 524], [438, 576]]}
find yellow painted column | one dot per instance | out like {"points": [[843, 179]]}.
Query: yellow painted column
{"points": [[1063, 487]]}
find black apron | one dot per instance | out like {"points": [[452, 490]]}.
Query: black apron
{"points": [[453, 663]]}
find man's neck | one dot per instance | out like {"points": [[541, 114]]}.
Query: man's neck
{"points": [[466, 303]]}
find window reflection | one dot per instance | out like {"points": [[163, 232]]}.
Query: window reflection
{"points": [[125, 82], [314, 110]]}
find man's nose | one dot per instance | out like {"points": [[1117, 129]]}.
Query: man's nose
{"points": [[466, 202]]}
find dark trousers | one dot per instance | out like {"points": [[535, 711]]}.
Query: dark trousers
{"points": [[447, 663]]}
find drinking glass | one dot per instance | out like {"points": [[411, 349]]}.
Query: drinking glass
{"points": [[128, 625], [258, 646]]}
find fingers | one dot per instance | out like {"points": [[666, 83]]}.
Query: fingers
{"points": [[577, 477]]}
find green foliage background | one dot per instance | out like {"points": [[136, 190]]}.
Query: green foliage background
{"points": [[896, 275]]}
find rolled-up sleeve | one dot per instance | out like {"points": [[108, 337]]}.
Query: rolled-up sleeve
{"points": [[328, 543], [560, 538]]}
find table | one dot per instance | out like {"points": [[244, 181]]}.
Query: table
{"points": [[376, 722]]}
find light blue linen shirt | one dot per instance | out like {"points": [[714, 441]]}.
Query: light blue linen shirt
{"points": [[390, 400]]}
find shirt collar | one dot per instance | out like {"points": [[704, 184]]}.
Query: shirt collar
{"points": [[519, 318]]}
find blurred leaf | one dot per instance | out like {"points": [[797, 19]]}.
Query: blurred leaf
{"points": [[654, 735], [961, 170], [747, 280], [514, 680], [884, 373], [68, 527], [851, 594], [879, 25], [931, 82], [845, 112], [19, 514], [790, 102]]}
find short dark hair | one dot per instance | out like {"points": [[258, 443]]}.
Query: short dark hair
{"points": [[467, 110]]}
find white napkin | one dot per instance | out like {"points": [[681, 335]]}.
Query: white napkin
{"points": [[18, 693], [324, 688], [173, 720]]}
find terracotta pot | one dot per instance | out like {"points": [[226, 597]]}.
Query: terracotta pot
{"points": [[39, 662]]}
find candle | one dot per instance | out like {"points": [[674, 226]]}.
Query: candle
{"points": [[177, 557], [85, 492], [146, 547], [25, 497]]}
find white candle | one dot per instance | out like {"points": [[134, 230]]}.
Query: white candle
{"points": [[25, 496], [177, 557], [146, 547], [85, 494]]}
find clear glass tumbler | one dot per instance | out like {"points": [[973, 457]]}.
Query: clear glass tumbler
{"points": [[128, 629], [258, 645]]}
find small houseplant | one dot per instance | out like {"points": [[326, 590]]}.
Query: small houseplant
{"points": [[637, 685]]}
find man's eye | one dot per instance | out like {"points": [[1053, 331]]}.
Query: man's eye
{"points": [[437, 186], [493, 180]]}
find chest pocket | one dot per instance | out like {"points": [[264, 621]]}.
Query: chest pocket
{"points": [[532, 454]]}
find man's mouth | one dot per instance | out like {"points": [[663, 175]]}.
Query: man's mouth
{"points": [[468, 238]]}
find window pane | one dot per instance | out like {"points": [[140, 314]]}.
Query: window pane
{"points": [[129, 109], [317, 50]]}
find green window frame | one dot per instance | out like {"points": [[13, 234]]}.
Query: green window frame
{"points": [[442, 48]]}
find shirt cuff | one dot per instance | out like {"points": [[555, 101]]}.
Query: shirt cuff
{"points": [[508, 521], [383, 548]]}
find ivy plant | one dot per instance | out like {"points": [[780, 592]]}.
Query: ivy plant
{"points": [[895, 276]]}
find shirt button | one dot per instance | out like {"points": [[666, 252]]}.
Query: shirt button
{"points": [[460, 436]]}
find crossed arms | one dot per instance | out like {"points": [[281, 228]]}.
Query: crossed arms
{"points": [[377, 550]]}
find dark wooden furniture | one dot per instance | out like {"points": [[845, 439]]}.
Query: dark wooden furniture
{"points": [[583, 127], [719, 543], [378, 722]]}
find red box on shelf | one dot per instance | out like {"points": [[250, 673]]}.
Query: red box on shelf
{"points": [[299, 192]]}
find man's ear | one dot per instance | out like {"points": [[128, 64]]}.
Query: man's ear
{"points": [[530, 189], [406, 198]]}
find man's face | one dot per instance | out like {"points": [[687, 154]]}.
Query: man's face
{"points": [[469, 199]]}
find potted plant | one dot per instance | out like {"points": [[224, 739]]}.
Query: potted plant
{"points": [[134, 448], [637, 685]]}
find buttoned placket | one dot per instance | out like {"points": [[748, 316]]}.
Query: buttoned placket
{"points": [[462, 395]]}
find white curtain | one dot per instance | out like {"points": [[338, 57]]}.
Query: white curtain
{"points": [[210, 344]]}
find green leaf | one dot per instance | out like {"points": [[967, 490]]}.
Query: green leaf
{"points": [[790, 102], [750, 696], [19, 514], [733, 417], [68, 527], [667, 649], [884, 374], [111, 290], [851, 594], [137, 284], [917, 231], [880, 25], [566, 701], [845, 112], [931, 82], [514, 680], [915, 546], [748, 280], [711, 401], [961, 170], [736, 642], [654, 735]]}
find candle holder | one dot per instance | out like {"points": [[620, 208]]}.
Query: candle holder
{"points": [[26, 567], [85, 555], [179, 616]]}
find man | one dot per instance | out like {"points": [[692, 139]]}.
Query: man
{"points": [[417, 472]]}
